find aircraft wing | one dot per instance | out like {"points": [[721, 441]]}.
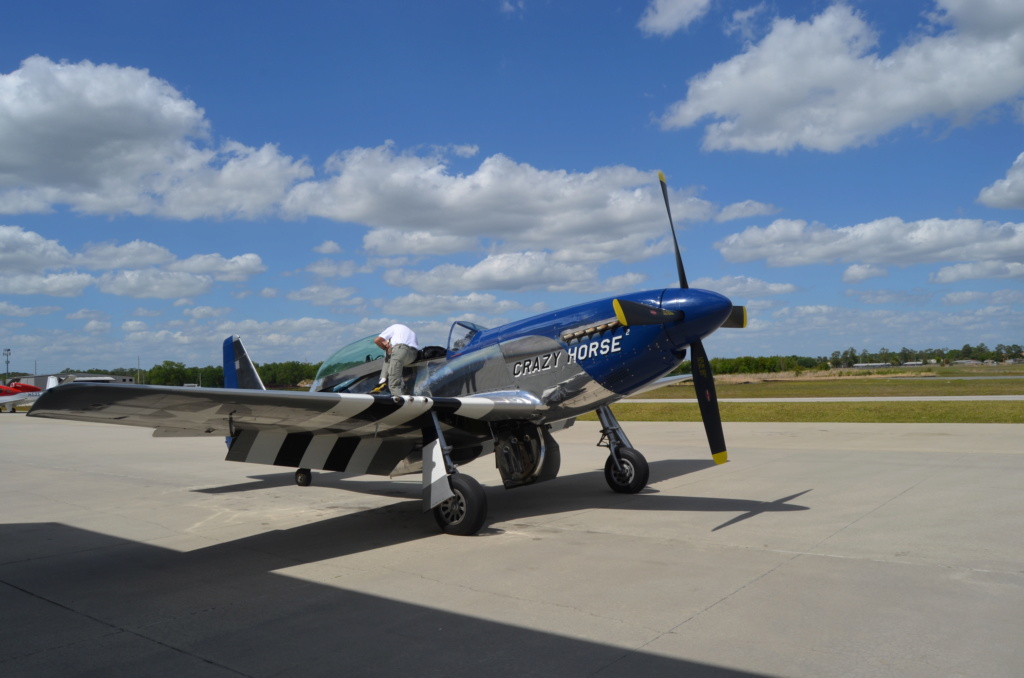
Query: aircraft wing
{"points": [[177, 411], [11, 401]]}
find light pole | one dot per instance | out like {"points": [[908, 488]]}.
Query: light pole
{"points": [[7, 359]]}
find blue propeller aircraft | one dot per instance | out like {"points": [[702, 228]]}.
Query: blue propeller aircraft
{"points": [[503, 390]]}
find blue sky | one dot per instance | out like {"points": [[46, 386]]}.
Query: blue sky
{"points": [[304, 174]]}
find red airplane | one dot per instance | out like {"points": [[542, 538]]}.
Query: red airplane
{"points": [[16, 392]]}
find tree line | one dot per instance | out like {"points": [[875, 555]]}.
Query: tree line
{"points": [[941, 356], [292, 373], [171, 373], [851, 357]]}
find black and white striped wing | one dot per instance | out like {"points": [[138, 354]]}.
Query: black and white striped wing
{"points": [[354, 433], [173, 410]]}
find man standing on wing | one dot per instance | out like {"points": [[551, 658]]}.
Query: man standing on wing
{"points": [[399, 342]]}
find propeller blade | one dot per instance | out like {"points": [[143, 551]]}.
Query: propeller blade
{"points": [[633, 313], [737, 317], [707, 398], [679, 259]]}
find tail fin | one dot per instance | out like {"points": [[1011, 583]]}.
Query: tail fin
{"points": [[239, 372]]}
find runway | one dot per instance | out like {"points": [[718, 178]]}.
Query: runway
{"points": [[818, 550]]}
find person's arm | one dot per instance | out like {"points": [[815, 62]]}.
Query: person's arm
{"points": [[383, 344]]}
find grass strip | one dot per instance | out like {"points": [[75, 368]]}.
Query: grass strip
{"points": [[850, 388], [982, 412]]}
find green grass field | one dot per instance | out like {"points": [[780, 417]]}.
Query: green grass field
{"points": [[980, 412], [949, 381], [850, 387]]}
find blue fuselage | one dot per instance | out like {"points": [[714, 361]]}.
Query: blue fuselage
{"points": [[577, 358]]}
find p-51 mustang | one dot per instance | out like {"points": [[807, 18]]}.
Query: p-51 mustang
{"points": [[503, 390]]}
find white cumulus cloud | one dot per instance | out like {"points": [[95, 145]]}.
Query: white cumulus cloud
{"points": [[416, 304], [106, 139], [861, 272], [235, 269], [743, 286], [506, 271], [153, 283], [823, 85], [979, 270], [24, 251], [745, 209], [1008, 192], [665, 17], [789, 242]]}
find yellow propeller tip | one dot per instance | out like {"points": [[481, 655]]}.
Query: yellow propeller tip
{"points": [[661, 176], [720, 457], [620, 315]]}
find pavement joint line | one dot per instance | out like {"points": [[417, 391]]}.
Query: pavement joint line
{"points": [[894, 497], [896, 562], [521, 599]]}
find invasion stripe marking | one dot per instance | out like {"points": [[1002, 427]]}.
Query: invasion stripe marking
{"points": [[391, 452], [317, 452], [293, 449], [340, 454], [409, 407], [474, 408], [364, 453], [240, 445], [265, 447], [348, 406]]}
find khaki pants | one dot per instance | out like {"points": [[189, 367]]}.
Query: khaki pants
{"points": [[401, 355]]}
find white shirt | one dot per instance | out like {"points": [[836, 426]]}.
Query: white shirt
{"points": [[400, 334]]}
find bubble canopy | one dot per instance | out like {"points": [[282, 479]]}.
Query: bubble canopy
{"points": [[347, 364]]}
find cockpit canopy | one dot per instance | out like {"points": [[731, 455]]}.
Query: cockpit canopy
{"points": [[461, 334], [348, 365], [360, 359]]}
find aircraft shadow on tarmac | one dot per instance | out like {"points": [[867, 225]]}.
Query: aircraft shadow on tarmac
{"points": [[89, 603], [574, 492]]}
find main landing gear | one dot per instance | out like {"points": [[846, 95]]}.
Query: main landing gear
{"points": [[465, 513], [458, 502], [626, 471]]}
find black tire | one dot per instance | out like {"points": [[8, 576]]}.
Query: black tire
{"points": [[465, 513], [633, 475], [303, 477]]}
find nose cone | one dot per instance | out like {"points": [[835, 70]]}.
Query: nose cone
{"points": [[703, 313]]}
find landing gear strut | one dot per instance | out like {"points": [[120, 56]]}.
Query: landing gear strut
{"points": [[463, 509], [626, 471]]}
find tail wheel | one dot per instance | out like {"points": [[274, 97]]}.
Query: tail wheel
{"points": [[465, 513], [632, 474], [303, 477]]}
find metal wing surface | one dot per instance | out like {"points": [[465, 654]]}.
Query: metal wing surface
{"points": [[178, 411], [12, 400]]}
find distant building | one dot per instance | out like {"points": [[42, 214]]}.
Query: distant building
{"points": [[870, 366]]}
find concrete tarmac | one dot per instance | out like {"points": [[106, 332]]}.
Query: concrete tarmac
{"points": [[818, 550]]}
